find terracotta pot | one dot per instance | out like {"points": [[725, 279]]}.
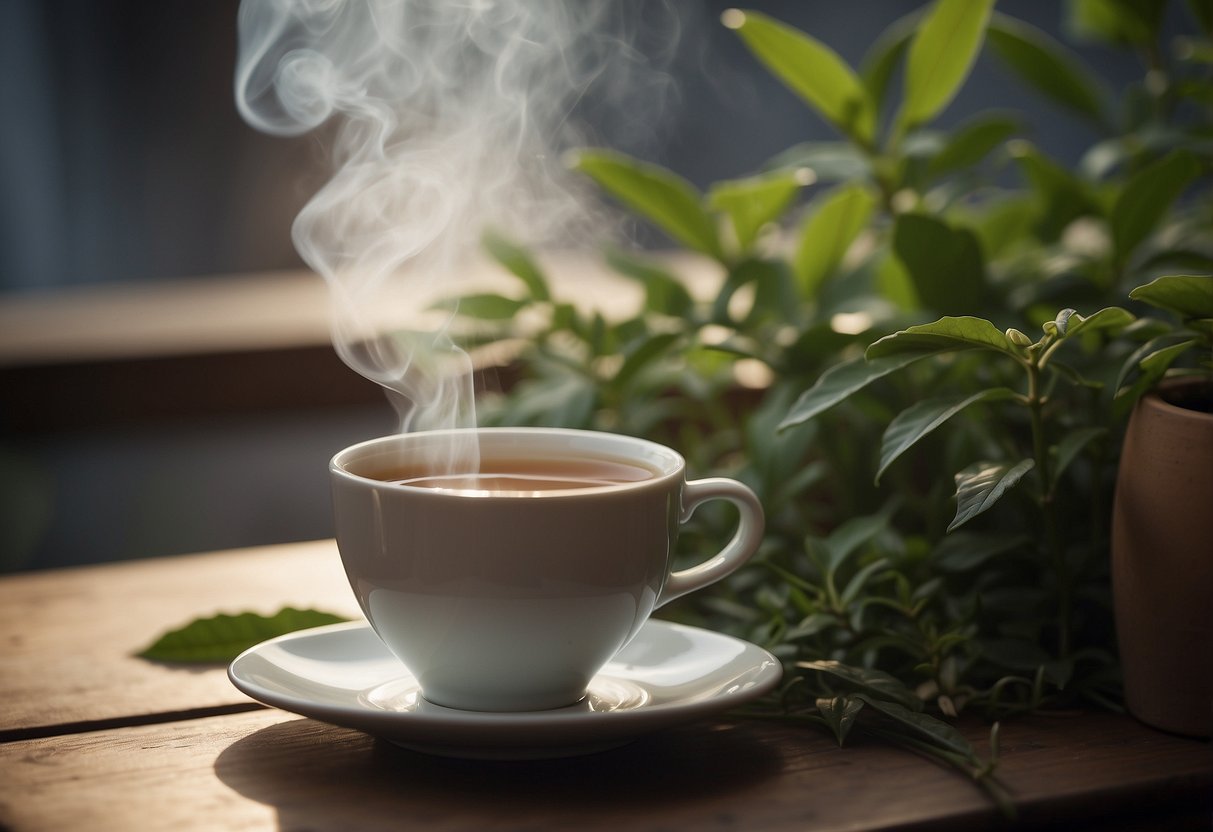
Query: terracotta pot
{"points": [[1162, 561]]}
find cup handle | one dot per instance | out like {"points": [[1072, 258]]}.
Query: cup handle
{"points": [[743, 545]]}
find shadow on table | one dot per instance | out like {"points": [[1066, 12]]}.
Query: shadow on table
{"points": [[318, 776]]}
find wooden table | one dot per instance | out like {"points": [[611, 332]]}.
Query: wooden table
{"points": [[93, 738]]}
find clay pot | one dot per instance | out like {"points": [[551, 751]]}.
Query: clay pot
{"points": [[1162, 560]]}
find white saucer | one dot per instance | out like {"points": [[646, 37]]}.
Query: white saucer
{"points": [[668, 674]]}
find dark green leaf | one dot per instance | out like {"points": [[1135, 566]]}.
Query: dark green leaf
{"points": [[1146, 198], [842, 380], [1063, 197], [1014, 653], [940, 56], [944, 263], [840, 713], [753, 202], [224, 637], [918, 420], [1152, 367], [811, 626], [1046, 65], [944, 335], [1071, 445], [928, 727], [1121, 22], [852, 533], [1187, 295], [519, 262], [834, 224], [980, 486], [964, 551], [972, 142], [880, 686], [665, 199], [811, 70], [859, 580], [881, 59], [1202, 10]]}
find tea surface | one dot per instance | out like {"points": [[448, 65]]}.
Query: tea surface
{"points": [[527, 475]]}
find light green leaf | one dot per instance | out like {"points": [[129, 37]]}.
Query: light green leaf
{"points": [[944, 263], [1146, 198], [660, 196], [971, 142], [829, 161], [842, 380], [1069, 323], [485, 307], [829, 231], [944, 335], [649, 350], [664, 293], [1187, 295], [810, 69], [1046, 65], [222, 638], [753, 202], [980, 486], [940, 57], [840, 713], [918, 420], [935, 731], [518, 262], [878, 685]]}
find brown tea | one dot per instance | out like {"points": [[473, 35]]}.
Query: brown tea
{"points": [[528, 475]]}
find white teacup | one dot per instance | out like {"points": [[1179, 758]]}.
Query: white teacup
{"points": [[510, 596]]}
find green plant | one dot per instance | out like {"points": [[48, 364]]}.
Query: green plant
{"points": [[968, 564]]}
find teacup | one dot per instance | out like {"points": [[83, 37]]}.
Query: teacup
{"points": [[509, 591]]}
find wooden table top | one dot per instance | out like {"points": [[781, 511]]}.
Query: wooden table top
{"points": [[93, 737]]}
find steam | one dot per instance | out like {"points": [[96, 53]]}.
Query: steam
{"points": [[451, 117]]}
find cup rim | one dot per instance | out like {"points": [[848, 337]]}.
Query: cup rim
{"points": [[676, 470]]}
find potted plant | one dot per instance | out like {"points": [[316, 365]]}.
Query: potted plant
{"points": [[1162, 526]]}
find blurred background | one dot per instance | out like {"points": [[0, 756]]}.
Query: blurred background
{"points": [[125, 169]]}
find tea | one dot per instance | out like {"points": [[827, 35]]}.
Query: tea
{"points": [[501, 476]]}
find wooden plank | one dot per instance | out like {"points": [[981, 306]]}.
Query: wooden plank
{"points": [[270, 770], [68, 637]]}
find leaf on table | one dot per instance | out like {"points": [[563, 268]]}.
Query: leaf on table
{"points": [[223, 637], [877, 684], [926, 726], [840, 712]]}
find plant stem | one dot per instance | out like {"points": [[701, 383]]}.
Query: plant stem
{"points": [[1040, 450]]}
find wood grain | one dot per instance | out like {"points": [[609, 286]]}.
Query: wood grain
{"points": [[68, 638], [268, 770]]}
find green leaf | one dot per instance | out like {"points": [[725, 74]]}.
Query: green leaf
{"points": [[1046, 65], [918, 420], [485, 307], [879, 62], [964, 551], [859, 580], [944, 335], [753, 202], [664, 293], [828, 233], [1063, 197], [840, 712], [1146, 198], [518, 262], [1152, 368], [1071, 445], [936, 731], [940, 57], [664, 198], [1202, 10], [810, 69], [878, 685], [649, 350], [1187, 295], [224, 637], [1069, 323], [842, 380], [980, 486], [853, 533], [829, 161], [971, 142], [1121, 22], [944, 263]]}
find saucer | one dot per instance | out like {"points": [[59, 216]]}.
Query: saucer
{"points": [[667, 675]]}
